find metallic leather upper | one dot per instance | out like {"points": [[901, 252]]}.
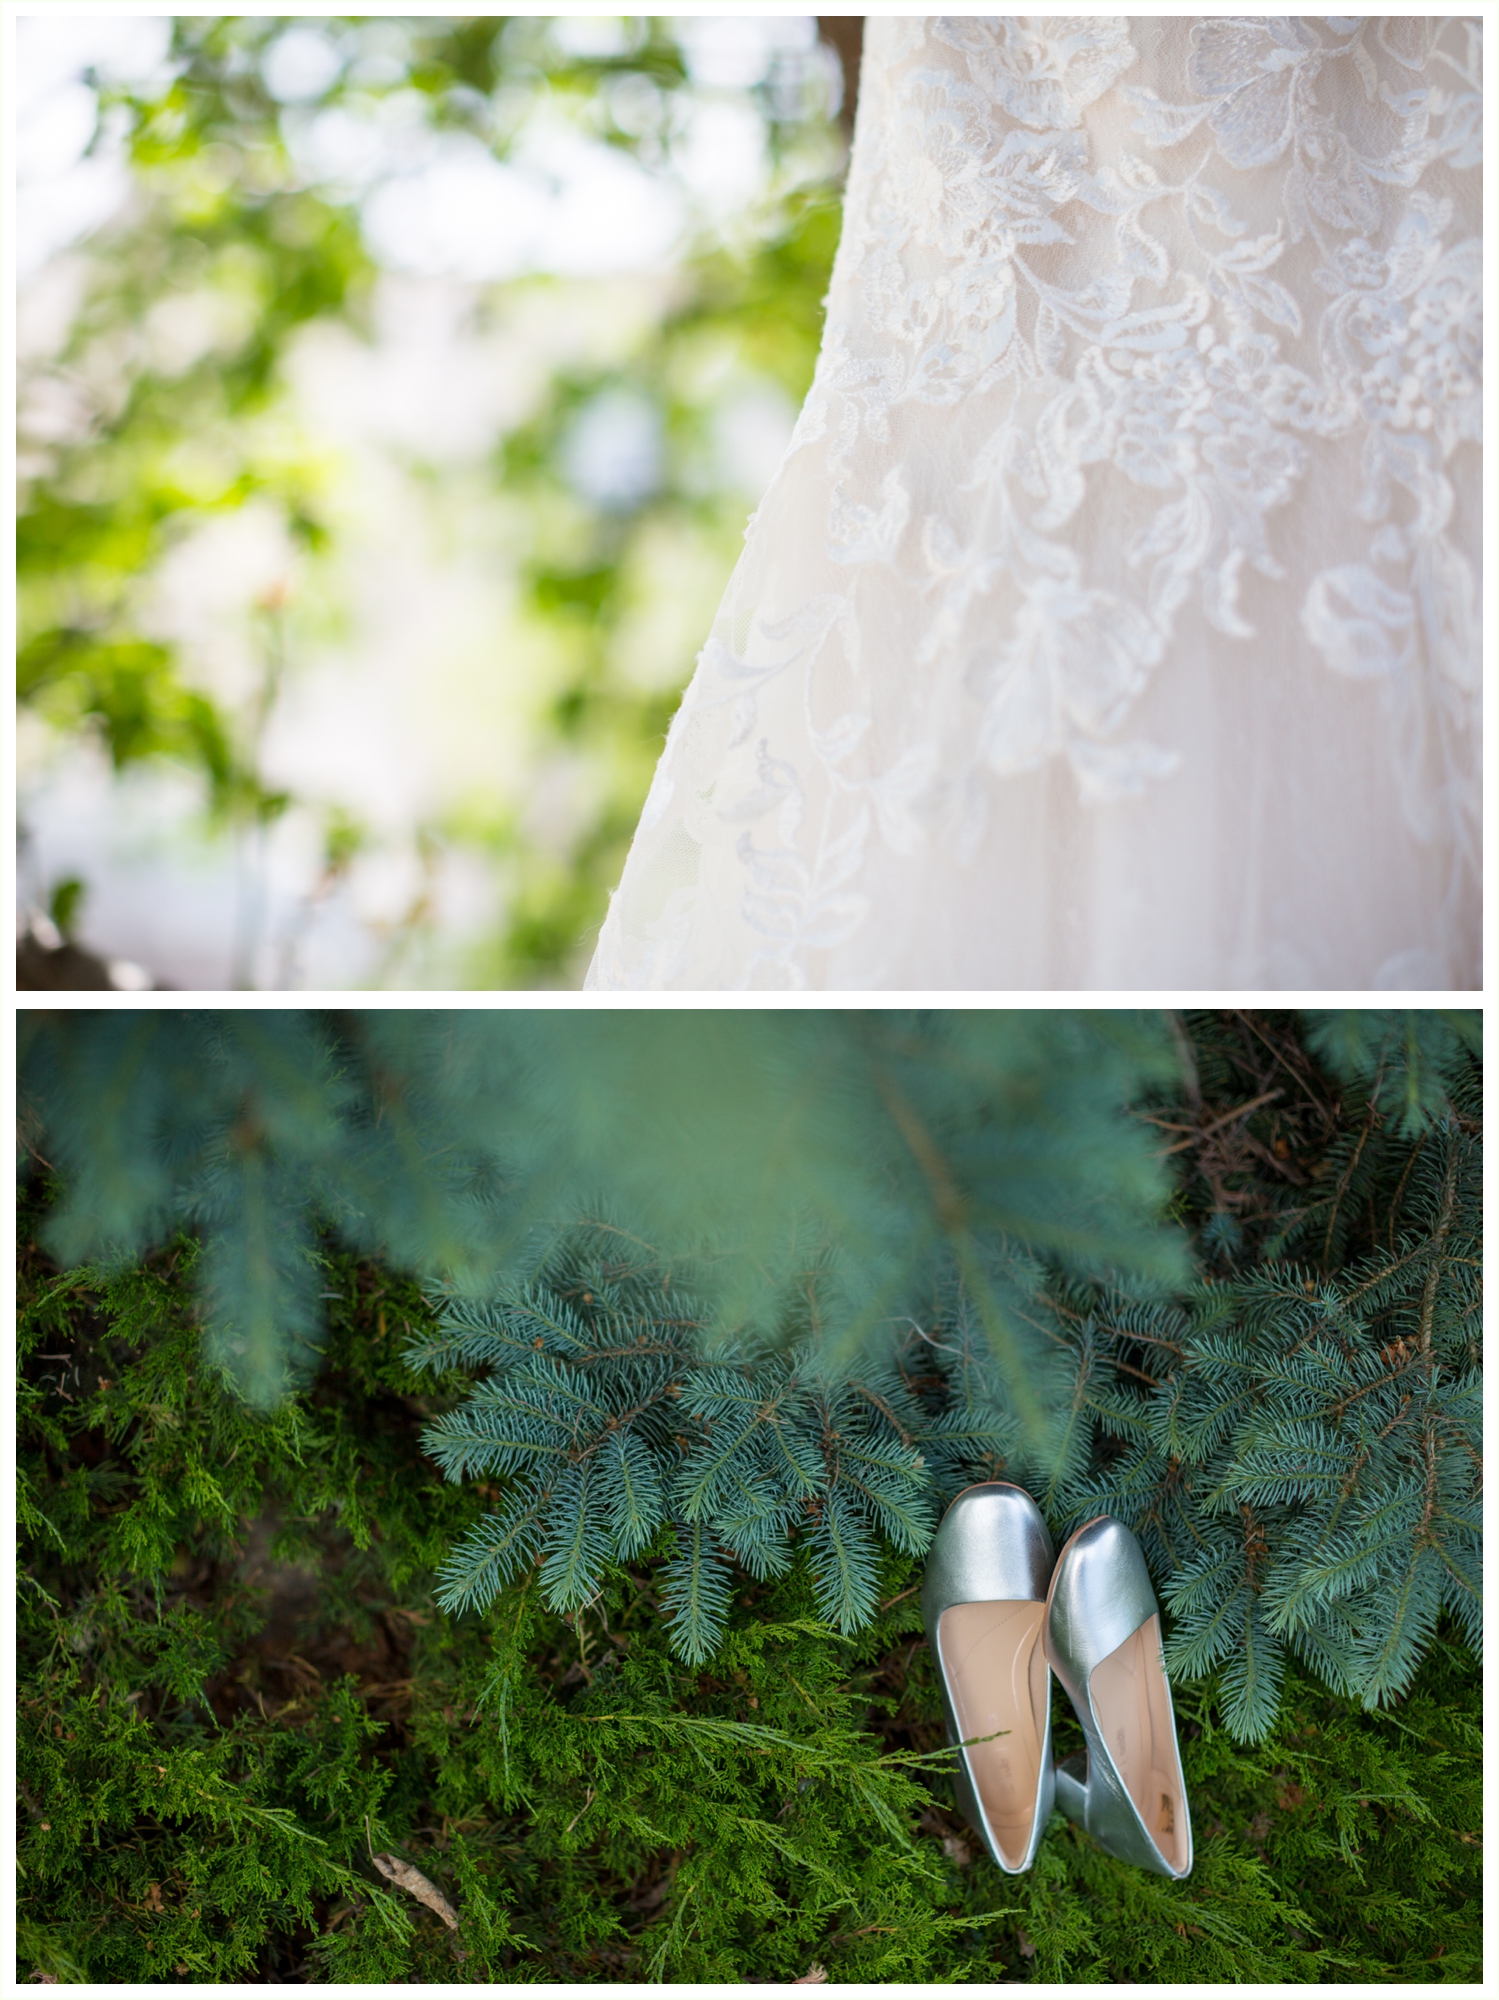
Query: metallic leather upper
{"points": [[992, 1545], [1101, 1593]]}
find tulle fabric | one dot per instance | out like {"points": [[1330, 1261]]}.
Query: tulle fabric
{"points": [[1113, 619]]}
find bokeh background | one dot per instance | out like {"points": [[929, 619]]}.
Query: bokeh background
{"points": [[393, 396]]}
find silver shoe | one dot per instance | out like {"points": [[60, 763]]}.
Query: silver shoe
{"points": [[983, 1601], [1103, 1641]]}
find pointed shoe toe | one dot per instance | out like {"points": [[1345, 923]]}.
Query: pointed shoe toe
{"points": [[984, 1603], [1103, 1642]]}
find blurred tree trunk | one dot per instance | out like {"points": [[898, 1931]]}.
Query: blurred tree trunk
{"points": [[844, 33], [44, 968]]}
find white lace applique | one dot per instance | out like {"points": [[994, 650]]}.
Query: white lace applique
{"points": [[1141, 459]]}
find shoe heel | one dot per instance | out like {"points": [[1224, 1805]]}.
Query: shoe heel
{"points": [[1072, 1787]]}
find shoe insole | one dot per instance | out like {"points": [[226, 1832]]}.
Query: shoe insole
{"points": [[1133, 1706], [996, 1675]]}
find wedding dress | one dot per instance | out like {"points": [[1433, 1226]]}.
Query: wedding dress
{"points": [[1113, 618]]}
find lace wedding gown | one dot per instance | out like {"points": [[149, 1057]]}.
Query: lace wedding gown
{"points": [[1113, 619]]}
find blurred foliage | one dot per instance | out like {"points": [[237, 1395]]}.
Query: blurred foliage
{"points": [[812, 1175], [167, 430], [237, 1685]]}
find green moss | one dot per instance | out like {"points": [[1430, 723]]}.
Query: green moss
{"points": [[236, 1688]]}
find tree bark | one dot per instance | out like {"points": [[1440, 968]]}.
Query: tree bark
{"points": [[844, 33]]}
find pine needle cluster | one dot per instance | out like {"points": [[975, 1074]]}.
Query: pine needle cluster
{"points": [[621, 1429], [750, 1288], [1304, 1468], [1295, 1439]]}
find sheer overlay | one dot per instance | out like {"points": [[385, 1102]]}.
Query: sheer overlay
{"points": [[1113, 619]]}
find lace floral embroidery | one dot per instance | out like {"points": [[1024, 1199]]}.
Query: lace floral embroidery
{"points": [[1092, 344]]}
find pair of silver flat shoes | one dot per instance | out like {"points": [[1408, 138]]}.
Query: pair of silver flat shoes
{"points": [[1001, 1610]]}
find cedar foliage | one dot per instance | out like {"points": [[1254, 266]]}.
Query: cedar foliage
{"points": [[236, 1685]]}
